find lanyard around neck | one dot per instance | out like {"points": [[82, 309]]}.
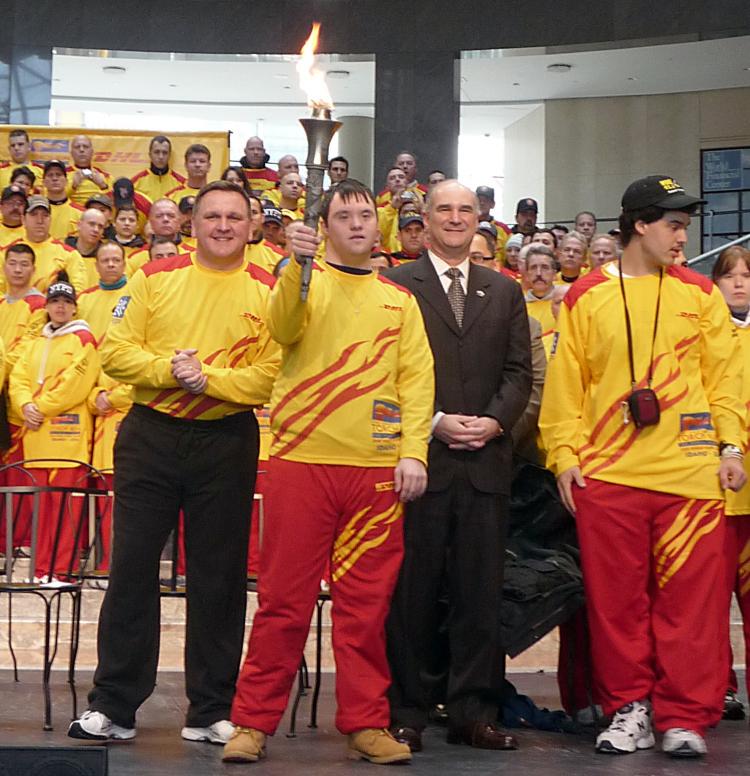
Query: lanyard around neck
{"points": [[630, 332]]}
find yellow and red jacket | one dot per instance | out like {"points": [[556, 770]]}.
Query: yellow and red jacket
{"points": [[177, 303], [55, 371], [697, 377], [356, 383]]}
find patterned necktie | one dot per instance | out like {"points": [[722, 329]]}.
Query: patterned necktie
{"points": [[456, 295]]}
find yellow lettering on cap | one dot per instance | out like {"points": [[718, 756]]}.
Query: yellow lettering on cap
{"points": [[669, 184]]}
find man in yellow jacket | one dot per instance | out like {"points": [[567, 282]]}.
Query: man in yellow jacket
{"points": [[644, 428], [190, 443]]}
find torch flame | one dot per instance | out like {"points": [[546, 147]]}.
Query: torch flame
{"points": [[311, 79]]}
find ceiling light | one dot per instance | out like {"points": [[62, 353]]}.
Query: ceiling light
{"points": [[114, 69], [559, 67], [338, 73]]}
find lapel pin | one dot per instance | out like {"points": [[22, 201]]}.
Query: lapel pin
{"points": [[480, 292]]}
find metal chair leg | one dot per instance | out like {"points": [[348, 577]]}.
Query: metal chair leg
{"points": [[298, 696], [47, 669], [75, 632], [10, 637], [318, 650]]}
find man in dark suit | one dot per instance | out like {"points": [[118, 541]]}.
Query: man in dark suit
{"points": [[455, 534]]}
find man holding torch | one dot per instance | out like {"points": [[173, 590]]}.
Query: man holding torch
{"points": [[350, 418]]}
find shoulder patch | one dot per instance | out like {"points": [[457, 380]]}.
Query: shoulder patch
{"points": [[179, 178], [88, 291], [167, 265], [582, 285], [139, 175], [121, 306], [691, 277], [76, 206], [259, 274]]}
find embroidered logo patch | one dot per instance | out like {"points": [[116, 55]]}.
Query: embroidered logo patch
{"points": [[386, 420], [120, 307]]}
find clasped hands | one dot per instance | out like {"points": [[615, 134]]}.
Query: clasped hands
{"points": [[188, 371], [466, 432]]}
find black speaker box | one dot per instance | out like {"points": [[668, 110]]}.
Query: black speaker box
{"points": [[53, 761]]}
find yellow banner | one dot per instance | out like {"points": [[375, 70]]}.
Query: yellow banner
{"points": [[121, 152]]}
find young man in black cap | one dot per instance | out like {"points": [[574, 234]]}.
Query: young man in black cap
{"points": [[65, 214], [411, 235], [527, 211], [644, 428], [12, 209]]}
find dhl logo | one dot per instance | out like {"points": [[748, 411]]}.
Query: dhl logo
{"points": [[692, 316], [392, 307], [121, 157]]}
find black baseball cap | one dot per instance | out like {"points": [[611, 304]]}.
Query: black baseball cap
{"points": [[61, 288], [186, 204], [658, 191], [12, 191], [486, 191], [409, 218], [272, 214], [54, 163], [527, 204]]}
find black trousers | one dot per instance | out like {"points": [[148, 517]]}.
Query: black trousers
{"points": [[206, 469], [453, 538]]}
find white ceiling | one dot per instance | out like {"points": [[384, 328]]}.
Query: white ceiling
{"points": [[521, 74], [497, 87]]}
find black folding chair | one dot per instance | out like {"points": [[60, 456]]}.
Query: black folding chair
{"points": [[69, 581]]}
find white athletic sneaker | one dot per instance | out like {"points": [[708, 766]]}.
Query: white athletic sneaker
{"points": [[218, 733], [93, 725], [630, 730], [681, 742]]}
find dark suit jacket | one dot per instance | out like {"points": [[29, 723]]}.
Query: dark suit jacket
{"points": [[483, 368]]}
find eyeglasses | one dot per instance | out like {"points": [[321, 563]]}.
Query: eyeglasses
{"points": [[480, 257]]}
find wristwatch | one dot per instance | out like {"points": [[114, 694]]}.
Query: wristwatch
{"points": [[730, 451]]}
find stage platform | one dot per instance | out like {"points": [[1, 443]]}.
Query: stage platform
{"points": [[159, 751]]}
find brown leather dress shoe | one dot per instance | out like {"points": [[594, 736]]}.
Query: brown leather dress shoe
{"points": [[481, 735], [409, 736]]}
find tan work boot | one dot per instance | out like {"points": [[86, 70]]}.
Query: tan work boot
{"points": [[378, 746], [245, 745]]}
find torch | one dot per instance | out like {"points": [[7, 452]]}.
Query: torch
{"points": [[320, 129]]}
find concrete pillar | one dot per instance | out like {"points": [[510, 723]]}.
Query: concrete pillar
{"points": [[356, 140], [417, 109]]}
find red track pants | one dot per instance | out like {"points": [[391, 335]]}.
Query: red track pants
{"points": [[348, 516], [655, 581], [738, 568]]}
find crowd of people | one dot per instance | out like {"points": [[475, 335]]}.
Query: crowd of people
{"points": [[149, 323]]}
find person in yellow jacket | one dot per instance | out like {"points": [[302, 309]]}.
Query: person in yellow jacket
{"points": [[64, 213], [350, 418], [52, 256], [22, 307], [539, 276], [644, 428], [109, 400], [190, 336], [12, 206], [48, 388], [158, 178], [731, 273], [84, 179]]}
